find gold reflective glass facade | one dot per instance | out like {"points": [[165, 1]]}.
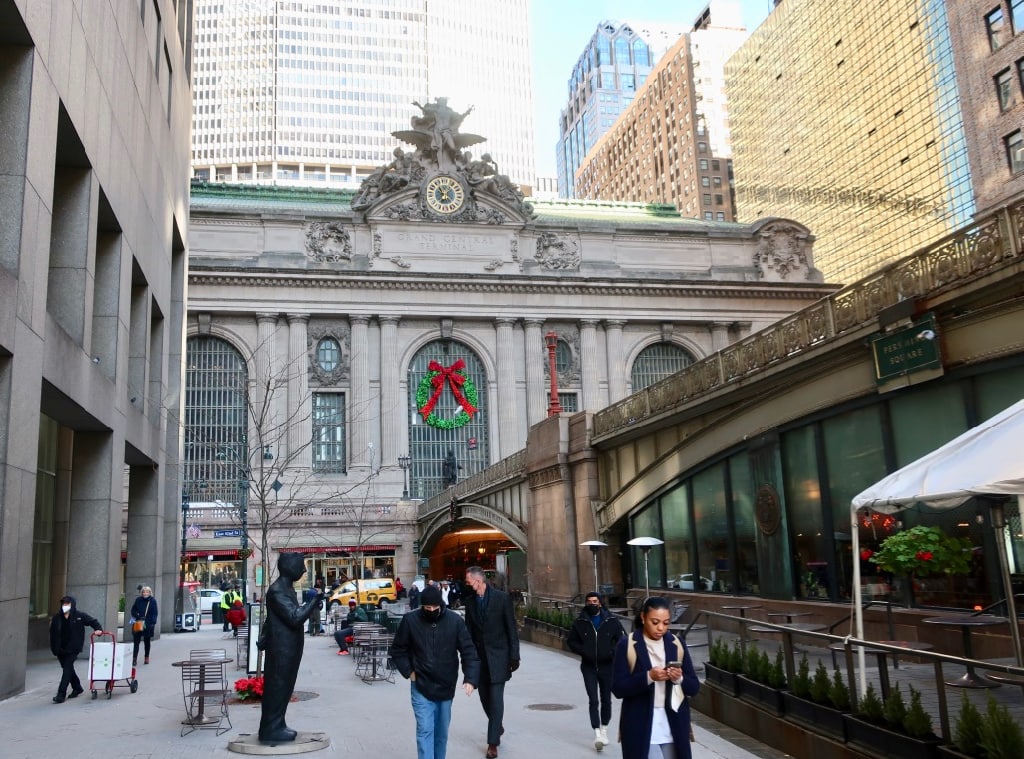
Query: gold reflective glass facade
{"points": [[845, 117]]}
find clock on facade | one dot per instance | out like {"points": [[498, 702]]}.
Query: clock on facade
{"points": [[445, 194]]}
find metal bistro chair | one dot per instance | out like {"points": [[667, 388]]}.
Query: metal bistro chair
{"points": [[204, 681]]}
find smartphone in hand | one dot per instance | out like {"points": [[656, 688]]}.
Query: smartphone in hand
{"points": [[676, 664]]}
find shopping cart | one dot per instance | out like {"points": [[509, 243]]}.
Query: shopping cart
{"points": [[110, 661]]}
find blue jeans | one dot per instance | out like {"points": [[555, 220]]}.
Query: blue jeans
{"points": [[432, 720]]}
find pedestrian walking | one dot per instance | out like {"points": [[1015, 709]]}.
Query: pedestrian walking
{"points": [[593, 638], [427, 650], [653, 675], [67, 638], [314, 594], [143, 615], [492, 625], [235, 616], [227, 600], [414, 596]]}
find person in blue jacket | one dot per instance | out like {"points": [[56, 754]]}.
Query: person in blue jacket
{"points": [[143, 610], [67, 638], [653, 674], [593, 637]]}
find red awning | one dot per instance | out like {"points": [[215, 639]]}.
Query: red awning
{"points": [[220, 553], [337, 549]]}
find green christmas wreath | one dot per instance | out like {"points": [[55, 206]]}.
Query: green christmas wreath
{"points": [[429, 392]]}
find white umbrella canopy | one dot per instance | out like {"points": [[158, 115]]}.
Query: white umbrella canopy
{"points": [[984, 460]]}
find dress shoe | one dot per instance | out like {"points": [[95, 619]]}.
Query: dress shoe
{"points": [[492, 751], [77, 692], [284, 735], [58, 699]]}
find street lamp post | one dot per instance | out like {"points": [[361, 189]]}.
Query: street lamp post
{"points": [[179, 618], [594, 545], [554, 407], [404, 462], [645, 544], [244, 478]]}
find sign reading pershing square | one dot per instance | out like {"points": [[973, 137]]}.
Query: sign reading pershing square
{"points": [[906, 351]]}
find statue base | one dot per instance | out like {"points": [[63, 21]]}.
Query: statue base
{"points": [[248, 743]]}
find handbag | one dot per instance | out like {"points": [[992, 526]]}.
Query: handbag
{"points": [[138, 625]]}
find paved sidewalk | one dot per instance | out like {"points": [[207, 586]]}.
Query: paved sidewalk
{"points": [[545, 712]]}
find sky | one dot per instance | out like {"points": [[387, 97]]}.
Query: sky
{"points": [[561, 29]]}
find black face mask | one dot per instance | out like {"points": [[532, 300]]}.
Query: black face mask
{"points": [[592, 610], [431, 616]]}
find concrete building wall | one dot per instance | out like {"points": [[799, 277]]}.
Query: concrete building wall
{"points": [[92, 258]]}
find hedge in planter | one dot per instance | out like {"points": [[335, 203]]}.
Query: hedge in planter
{"points": [[893, 729], [761, 680], [723, 665], [818, 702], [994, 735]]}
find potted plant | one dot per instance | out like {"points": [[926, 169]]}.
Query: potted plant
{"points": [[1001, 736], [921, 552], [966, 732], [811, 701], [719, 669], [891, 728], [755, 681]]}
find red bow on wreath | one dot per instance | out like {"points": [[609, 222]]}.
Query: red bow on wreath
{"points": [[455, 379]]}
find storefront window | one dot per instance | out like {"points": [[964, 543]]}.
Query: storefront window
{"points": [[744, 524], [855, 460], [812, 552], [675, 516], [912, 437], [997, 391], [648, 524], [712, 525]]}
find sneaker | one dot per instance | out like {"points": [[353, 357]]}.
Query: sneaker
{"points": [[77, 692], [343, 653], [604, 734], [598, 739], [58, 699]]}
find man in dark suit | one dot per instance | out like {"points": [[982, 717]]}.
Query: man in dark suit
{"points": [[492, 625]]}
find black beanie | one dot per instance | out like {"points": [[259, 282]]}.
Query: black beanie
{"points": [[430, 596]]}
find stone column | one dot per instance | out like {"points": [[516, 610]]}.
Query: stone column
{"points": [[592, 400], [536, 355], [265, 359], [719, 335], [359, 400], [616, 361], [391, 406], [300, 404], [507, 413]]}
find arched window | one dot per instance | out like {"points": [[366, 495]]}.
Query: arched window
{"points": [[641, 55], [563, 357], [328, 354], [621, 52], [429, 443], [658, 361], [216, 418], [604, 51]]}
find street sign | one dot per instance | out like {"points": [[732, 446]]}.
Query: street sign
{"points": [[235, 533], [906, 351]]}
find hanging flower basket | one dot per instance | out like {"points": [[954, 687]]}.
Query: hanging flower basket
{"points": [[922, 552]]}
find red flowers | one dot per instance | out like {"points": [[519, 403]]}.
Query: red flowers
{"points": [[924, 555], [249, 687], [866, 554]]}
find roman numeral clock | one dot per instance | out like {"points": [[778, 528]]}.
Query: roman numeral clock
{"points": [[444, 194]]}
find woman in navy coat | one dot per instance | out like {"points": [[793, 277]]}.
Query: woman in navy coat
{"points": [[653, 675]]}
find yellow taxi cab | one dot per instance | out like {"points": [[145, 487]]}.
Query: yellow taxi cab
{"points": [[373, 590]]}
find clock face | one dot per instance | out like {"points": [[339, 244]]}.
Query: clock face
{"points": [[445, 194]]}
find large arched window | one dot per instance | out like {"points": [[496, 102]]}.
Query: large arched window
{"points": [[641, 56], [429, 444], [621, 53], [658, 361], [216, 418]]}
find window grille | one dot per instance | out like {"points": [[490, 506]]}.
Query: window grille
{"points": [[329, 432], [658, 361]]}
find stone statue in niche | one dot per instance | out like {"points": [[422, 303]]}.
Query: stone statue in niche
{"points": [[328, 241], [784, 252], [557, 252]]}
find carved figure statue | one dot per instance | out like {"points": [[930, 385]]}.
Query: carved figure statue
{"points": [[450, 470], [482, 174], [435, 133], [282, 636]]}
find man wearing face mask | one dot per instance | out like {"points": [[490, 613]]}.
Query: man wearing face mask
{"points": [[593, 636], [67, 638], [427, 648]]}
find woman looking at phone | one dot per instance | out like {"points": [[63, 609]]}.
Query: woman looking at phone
{"points": [[653, 675]]}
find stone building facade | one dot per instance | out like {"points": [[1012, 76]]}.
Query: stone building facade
{"points": [[413, 318]]}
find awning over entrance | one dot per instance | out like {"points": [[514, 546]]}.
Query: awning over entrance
{"points": [[373, 548]]}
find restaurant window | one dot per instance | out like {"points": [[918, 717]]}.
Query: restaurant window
{"points": [[711, 521], [741, 488], [675, 517], [647, 524], [813, 559]]}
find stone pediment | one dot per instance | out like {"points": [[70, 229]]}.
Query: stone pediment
{"points": [[440, 182]]}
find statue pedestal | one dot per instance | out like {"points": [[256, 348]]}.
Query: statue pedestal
{"points": [[249, 743]]}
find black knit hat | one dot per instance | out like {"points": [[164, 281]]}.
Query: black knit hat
{"points": [[430, 596]]}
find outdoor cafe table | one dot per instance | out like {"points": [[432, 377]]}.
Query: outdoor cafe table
{"points": [[742, 609], [967, 623], [200, 717], [882, 654]]}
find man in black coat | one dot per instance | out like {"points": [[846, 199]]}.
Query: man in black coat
{"points": [[593, 637], [492, 624], [67, 638], [282, 638], [426, 651]]}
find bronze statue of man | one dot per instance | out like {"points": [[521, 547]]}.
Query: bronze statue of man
{"points": [[282, 634]]}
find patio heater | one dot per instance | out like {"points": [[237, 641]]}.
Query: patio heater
{"points": [[594, 545], [645, 544]]}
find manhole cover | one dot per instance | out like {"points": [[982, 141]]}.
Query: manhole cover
{"points": [[551, 707]]}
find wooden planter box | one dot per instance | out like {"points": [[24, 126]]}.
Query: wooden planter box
{"points": [[883, 742], [722, 679], [763, 695], [949, 752], [817, 717]]}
